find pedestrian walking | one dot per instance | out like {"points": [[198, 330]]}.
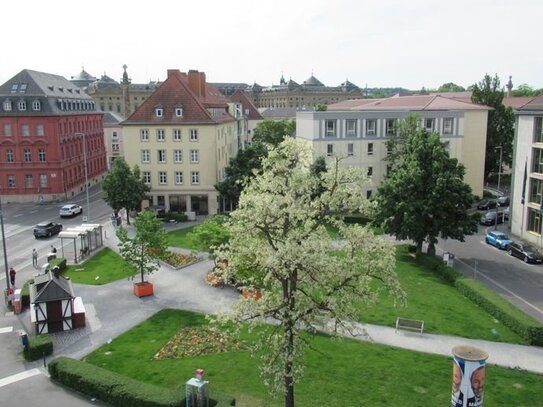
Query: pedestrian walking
{"points": [[34, 258], [12, 274]]}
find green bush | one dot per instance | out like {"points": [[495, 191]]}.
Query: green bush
{"points": [[178, 217], [60, 262], [118, 390], [37, 347], [25, 293]]}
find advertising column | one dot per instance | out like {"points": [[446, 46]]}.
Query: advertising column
{"points": [[468, 376]]}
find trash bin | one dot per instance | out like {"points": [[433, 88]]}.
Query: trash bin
{"points": [[23, 338]]}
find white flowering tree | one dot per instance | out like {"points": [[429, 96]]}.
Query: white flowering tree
{"points": [[279, 246]]}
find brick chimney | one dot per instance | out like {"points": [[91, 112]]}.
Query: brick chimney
{"points": [[172, 72], [197, 82]]}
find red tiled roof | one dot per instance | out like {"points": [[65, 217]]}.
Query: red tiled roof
{"points": [[516, 102], [350, 104], [188, 91], [534, 104], [239, 97]]}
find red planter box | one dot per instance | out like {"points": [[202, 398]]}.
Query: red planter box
{"points": [[143, 289]]}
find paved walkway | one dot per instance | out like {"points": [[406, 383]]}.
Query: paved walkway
{"points": [[112, 309]]}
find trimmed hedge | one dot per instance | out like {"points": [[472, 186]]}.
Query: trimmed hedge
{"points": [[60, 262], [25, 293], [119, 390], [37, 347], [519, 322]]}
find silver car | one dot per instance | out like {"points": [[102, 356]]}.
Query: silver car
{"points": [[70, 210]]}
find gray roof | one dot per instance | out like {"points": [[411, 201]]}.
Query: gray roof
{"points": [[56, 94], [278, 113], [111, 119], [312, 81], [47, 288]]}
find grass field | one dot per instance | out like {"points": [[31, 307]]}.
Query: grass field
{"points": [[338, 372], [102, 268]]}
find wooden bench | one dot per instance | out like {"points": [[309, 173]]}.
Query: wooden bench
{"points": [[409, 324]]}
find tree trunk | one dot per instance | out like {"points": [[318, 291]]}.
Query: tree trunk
{"points": [[127, 217], [289, 381], [419, 248], [431, 249]]}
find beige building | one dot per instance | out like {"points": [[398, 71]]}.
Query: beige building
{"points": [[357, 131], [182, 138]]}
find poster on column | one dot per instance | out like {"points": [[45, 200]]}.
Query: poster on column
{"points": [[468, 382]]}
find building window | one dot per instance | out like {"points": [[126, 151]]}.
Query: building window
{"points": [[390, 127], [11, 181], [178, 156], [114, 134], [179, 111], [144, 135], [537, 160], [194, 177], [21, 105], [193, 134], [145, 156], [370, 171], [41, 155], [429, 124], [29, 182], [329, 150], [370, 148], [159, 112], [162, 156], [534, 221], [350, 149], [7, 130], [25, 130], [36, 105], [43, 180], [536, 191], [14, 88], [176, 134], [350, 127], [371, 127], [368, 194], [146, 176], [7, 105], [448, 125], [23, 87], [9, 156], [114, 146], [178, 177], [538, 129], [194, 156], [27, 155], [330, 128], [160, 135], [162, 177], [39, 130]]}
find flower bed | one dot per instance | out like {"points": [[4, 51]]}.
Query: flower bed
{"points": [[179, 260]]}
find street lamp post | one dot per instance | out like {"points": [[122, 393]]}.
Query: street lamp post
{"points": [[86, 173], [499, 177], [4, 244]]}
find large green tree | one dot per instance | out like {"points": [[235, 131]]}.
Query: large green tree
{"points": [[526, 90], [424, 195], [124, 188], [149, 244], [450, 87], [248, 161], [279, 244], [500, 126]]}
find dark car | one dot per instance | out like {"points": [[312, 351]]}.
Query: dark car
{"points": [[525, 252], [47, 229], [489, 218], [487, 204], [503, 201]]}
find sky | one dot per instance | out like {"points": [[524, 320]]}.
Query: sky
{"points": [[373, 43]]}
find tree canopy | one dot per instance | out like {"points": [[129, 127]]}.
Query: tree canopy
{"points": [[526, 90], [500, 125], [424, 195], [124, 188], [279, 244], [149, 244], [451, 87]]}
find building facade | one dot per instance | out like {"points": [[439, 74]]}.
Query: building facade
{"points": [[50, 133], [527, 173], [182, 138], [357, 130]]}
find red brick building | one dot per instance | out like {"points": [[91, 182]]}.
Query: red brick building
{"points": [[49, 131]]}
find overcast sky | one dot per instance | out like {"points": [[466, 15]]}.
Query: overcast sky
{"points": [[378, 43]]}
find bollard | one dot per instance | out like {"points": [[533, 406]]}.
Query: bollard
{"points": [[43, 355]]}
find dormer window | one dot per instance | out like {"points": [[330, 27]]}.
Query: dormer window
{"points": [[14, 88], [179, 111], [7, 105], [21, 105], [36, 105], [23, 87], [159, 112]]}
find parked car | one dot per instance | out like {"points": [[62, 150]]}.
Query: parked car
{"points": [[47, 229], [489, 218], [70, 210], [487, 204], [525, 252], [503, 201], [498, 239], [506, 213]]}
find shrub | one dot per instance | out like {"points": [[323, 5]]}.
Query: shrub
{"points": [[178, 217], [118, 390], [60, 262], [25, 293], [37, 347]]}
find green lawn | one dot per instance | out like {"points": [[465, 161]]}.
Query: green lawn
{"points": [[102, 268], [343, 372], [442, 308], [178, 238]]}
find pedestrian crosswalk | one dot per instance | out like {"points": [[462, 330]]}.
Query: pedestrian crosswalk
{"points": [[19, 376]]}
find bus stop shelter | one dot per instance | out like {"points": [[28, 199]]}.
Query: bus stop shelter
{"points": [[82, 240]]}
